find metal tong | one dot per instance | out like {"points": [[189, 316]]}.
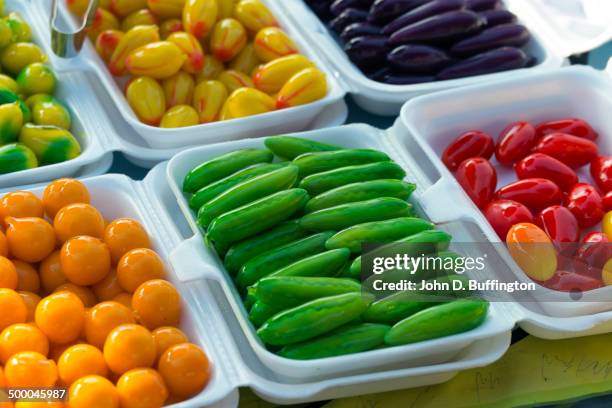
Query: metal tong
{"points": [[68, 44]]}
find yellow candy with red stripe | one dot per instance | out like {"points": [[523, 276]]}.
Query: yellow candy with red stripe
{"points": [[306, 86], [226, 8], [167, 8], [246, 61], [178, 89], [272, 43], [157, 60], [235, 80], [211, 70], [190, 46], [248, 102], [199, 17], [103, 20], [107, 43], [180, 116], [122, 8], [170, 26], [228, 38], [254, 15], [271, 77], [146, 97], [208, 100], [140, 17], [133, 39]]}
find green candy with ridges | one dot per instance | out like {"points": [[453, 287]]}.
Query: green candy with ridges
{"points": [[348, 339], [50, 144], [242, 252], [361, 191], [325, 264], [290, 147], [223, 166], [261, 312], [11, 121], [271, 261], [321, 182], [318, 162], [313, 318], [16, 157]]}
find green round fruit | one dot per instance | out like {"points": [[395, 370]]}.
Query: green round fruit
{"points": [[36, 78]]}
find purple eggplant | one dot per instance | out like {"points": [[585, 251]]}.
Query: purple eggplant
{"points": [[443, 27], [512, 35], [427, 10], [348, 16], [359, 30], [494, 18], [402, 79], [383, 11], [482, 5], [500, 59], [418, 58], [367, 51], [338, 6], [378, 74], [320, 8]]}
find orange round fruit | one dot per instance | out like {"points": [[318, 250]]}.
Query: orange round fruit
{"points": [[22, 337], [30, 239], [51, 274], [93, 391], [185, 369], [166, 337], [78, 219], [28, 276], [142, 388], [61, 317], [101, 319], [62, 192], [8, 274], [20, 204], [83, 292], [79, 361], [124, 234], [31, 300], [138, 266], [3, 245], [125, 299], [13, 308], [29, 369], [56, 350], [85, 260], [108, 287], [129, 346], [157, 303]]}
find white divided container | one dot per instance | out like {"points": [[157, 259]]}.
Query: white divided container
{"points": [[285, 120], [211, 267], [86, 127], [559, 28], [208, 322], [434, 121]]}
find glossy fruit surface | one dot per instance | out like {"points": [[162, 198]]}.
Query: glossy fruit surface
{"points": [[51, 274], [560, 225], [515, 142], [22, 337], [20, 204], [29, 369], [595, 250], [62, 192], [466, 146], [532, 250], [565, 281], [538, 165], [585, 202], [503, 214], [478, 179], [601, 171], [61, 317], [157, 303], [571, 126], [101, 319], [8, 274], [142, 388], [78, 219], [138, 266], [571, 150], [14, 308], [30, 239], [85, 260], [185, 369], [79, 361], [535, 193], [166, 337], [129, 346], [93, 392], [124, 234]]}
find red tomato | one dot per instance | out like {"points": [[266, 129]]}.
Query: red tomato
{"points": [[565, 281], [515, 142], [607, 201], [479, 180], [539, 165], [535, 193], [571, 150], [470, 144], [503, 214], [570, 126], [560, 225], [586, 204], [593, 254], [601, 171]]}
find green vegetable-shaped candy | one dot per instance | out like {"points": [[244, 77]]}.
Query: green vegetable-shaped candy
{"points": [[16, 157], [50, 144], [36, 78], [8, 96], [8, 82], [21, 30], [19, 55], [6, 34], [11, 121], [51, 113]]}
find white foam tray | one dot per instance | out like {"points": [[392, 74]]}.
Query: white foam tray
{"points": [[211, 324], [560, 28], [285, 120]]}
